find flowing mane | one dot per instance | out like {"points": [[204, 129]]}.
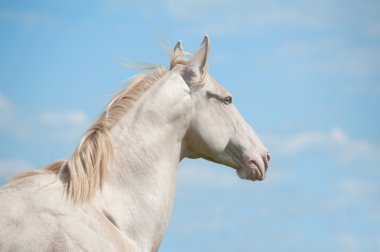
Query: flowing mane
{"points": [[88, 167], [86, 170]]}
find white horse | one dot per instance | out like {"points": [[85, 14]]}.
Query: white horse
{"points": [[116, 192]]}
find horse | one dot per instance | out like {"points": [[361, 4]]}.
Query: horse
{"points": [[116, 191]]}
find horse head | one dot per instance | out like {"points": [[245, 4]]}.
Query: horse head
{"points": [[217, 131]]}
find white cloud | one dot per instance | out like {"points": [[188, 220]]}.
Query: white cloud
{"points": [[206, 176], [335, 51], [212, 220], [6, 113], [334, 141], [47, 125], [327, 55], [354, 193], [27, 19], [264, 15], [348, 242], [374, 30], [5, 105], [355, 242], [9, 168], [63, 125], [65, 117], [332, 210], [355, 189]]}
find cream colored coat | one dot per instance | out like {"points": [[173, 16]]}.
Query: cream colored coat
{"points": [[116, 192]]}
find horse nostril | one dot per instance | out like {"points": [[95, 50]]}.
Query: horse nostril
{"points": [[266, 161]]}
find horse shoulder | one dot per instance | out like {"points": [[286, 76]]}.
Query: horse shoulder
{"points": [[35, 215], [27, 213]]}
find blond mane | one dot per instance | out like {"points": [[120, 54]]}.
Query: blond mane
{"points": [[85, 172]]}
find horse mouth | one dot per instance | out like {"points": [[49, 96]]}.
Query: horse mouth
{"points": [[252, 171]]}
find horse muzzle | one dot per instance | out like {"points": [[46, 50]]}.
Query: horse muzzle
{"points": [[255, 168]]}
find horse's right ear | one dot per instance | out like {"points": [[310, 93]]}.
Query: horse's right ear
{"points": [[178, 54], [200, 58]]}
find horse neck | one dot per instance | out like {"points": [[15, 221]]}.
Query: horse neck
{"points": [[139, 191]]}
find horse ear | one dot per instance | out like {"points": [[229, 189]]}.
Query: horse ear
{"points": [[200, 58], [178, 48], [178, 53]]}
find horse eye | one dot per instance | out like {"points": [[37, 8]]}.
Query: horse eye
{"points": [[227, 100]]}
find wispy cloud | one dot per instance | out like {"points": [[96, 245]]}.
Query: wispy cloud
{"points": [[6, 113], [356, 242], [205, 176], [211, 221], [48, 125], [27, 19], [361, 195], [326, 40], [63, 125], [348, 242], [253, 206], [351, 191], [335, 141], [10, 167], [327, 55], [264, 15], [65, 117], [5, 105]]}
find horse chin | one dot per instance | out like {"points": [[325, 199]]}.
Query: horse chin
{"points": [[251, 173]]}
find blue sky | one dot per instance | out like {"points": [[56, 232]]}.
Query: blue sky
{"points": [[304, 74]]}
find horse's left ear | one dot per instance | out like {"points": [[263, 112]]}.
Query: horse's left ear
{"points": [[177, 55], [200, 58], [179, 49]]}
